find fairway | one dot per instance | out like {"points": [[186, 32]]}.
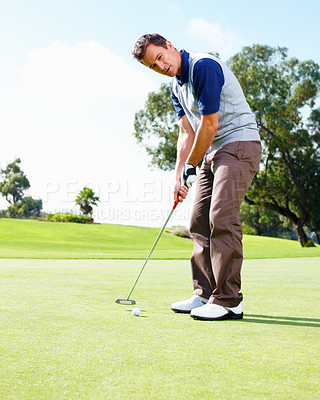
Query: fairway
{"points": [[53, 240], [63, 337]]}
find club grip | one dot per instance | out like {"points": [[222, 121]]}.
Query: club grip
{"points": [[175, 203]]}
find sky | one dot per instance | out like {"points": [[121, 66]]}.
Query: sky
{"points": [[69, 90]]}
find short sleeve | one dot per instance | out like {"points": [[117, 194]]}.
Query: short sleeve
{"points": [[208, 80]]}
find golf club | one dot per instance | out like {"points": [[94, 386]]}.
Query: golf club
{"points": [[128, 300]]}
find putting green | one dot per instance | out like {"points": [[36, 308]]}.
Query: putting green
{"points": [[63, 337]]}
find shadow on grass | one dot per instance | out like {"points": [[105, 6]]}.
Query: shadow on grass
{"points": [[275, 320]]}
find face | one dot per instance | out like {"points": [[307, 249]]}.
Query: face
{"points": [[164, 61]]}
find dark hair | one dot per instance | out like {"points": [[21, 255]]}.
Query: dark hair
{"points": [[140, 47]]}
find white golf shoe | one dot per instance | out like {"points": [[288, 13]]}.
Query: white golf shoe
{"points": [[214, 312], [187, 305]]}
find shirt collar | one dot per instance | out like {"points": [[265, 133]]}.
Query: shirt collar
{"points": [[184, 77]]}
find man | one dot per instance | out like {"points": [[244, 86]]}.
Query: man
{"points": [[216, 125]]}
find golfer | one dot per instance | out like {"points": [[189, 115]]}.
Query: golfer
{"points": [[216, 125]]}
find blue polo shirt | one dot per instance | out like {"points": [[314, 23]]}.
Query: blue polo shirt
{"points": [[208, 80]]}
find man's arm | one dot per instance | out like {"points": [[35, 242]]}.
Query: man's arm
{"points": [[204, 138], [184, 146]]}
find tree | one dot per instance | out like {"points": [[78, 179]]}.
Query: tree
{"points": [[314, 221], [258, 220], [14, 183], [86, 199], [282, 94], [13, 186], [156, 128], [27, 207]]}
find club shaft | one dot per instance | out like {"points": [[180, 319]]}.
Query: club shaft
{"points": [[154, 245]]}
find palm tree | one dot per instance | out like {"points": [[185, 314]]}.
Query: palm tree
{"points": [[86, 199]]}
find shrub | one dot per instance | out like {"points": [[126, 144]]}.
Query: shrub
{"points": [[181, 231], [309, 243], [248, 230], [27, 207], [67, 217]]}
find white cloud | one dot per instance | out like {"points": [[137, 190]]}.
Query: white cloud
{"points": [[214, 37], [71, 123], [84, 72], [80, 102], [174, 8]]}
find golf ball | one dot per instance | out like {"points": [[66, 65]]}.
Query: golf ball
{"points": [[136, 311]]}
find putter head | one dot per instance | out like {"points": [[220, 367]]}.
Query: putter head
{"points": [[125, 301]]}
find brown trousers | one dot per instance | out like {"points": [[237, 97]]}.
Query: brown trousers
{"points": [[217, 256]]}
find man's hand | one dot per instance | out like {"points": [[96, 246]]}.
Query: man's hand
{"points": [[180, 192], [189, 175]]}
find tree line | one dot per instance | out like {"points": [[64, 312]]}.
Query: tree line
{"points": [[14, 185]]}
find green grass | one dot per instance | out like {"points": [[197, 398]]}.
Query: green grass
{"points": [[40, 239], [63, 337]]}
